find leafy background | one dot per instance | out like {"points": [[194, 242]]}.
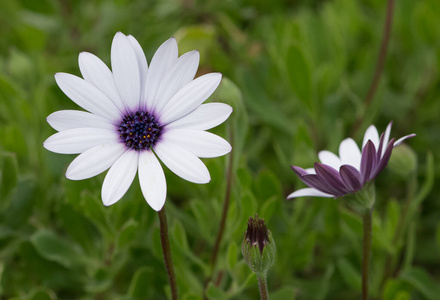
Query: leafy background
{"points": [[296, 73]]}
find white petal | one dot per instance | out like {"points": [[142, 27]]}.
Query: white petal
{"points": [[73, 141], [181, 73], [310, 171], [87, 96], [204, 117], [119, 177], [308, 192], [126, 71], [152, 180], [330, 159], [349, 153], [94, 161], [182, 162], [162, 61], [371, 134], [190, 97], [69, 119], [399, 141], [386, 137], [97, 73], [201, 143], [142, 62]]}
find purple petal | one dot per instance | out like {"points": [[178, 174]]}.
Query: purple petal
{"points": [[384, 160], [368, 161], [351, 177], [312, 180], [299, 171], [380, 147], [331, 178]]}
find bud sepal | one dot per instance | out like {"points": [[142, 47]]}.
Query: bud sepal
{"points": [[258, 247]]}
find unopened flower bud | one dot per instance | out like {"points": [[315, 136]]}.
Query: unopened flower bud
{"points": [[403, 161], [258, 247]]}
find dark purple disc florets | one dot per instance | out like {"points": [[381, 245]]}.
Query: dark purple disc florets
{"points": [[139, 130]]}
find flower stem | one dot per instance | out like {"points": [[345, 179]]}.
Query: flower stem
{"points": [[225, 207], [366, 252], [223, 217], [166, 249], [379, 64], [262, 284]]}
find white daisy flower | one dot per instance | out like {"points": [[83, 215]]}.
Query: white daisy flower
{"points": [[137, 114]]}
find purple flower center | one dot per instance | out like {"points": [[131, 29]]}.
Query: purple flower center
{"points": [[139, 130]]}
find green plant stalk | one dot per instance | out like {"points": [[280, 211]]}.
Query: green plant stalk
{"points": [[262, 284], [367, 220], [379, 65], [219, 237], [166, 249]]}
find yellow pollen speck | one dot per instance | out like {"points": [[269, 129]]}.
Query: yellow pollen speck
{"points": [[148, 135], [149, 128], [131, 133], [144, 137]]}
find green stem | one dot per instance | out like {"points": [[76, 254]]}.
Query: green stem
{"points": [[166, 249], [379, 64], [223, 218], [262, 284], [366, 252], [226, 201]]}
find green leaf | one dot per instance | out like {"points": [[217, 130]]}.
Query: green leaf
{"points": [[140, 282], [13, 140], [80, 228], [8, 173], [179, 236], [349, 274], [92, 207], [229, 93], [396, 289], [200, 36], [299, 73], [269, 207], [232, 255], [100, 282], [438, 236], [52, 274], [54, 248], [128, 233], [215, 293], [428, 183], [268, 185], [21, 207], [392, 219], [41, 293], [422, 282], [284, 293]]}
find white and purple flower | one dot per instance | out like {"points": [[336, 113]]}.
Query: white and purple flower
{"points": [[137, 114], [339, 176]]}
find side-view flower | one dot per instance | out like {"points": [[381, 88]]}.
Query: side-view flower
{"points": [[337, 176], [137, 114]]}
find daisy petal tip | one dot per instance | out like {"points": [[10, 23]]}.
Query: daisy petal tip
{"points": [[107, 200], [72, 175], [299, 171], [156, 206], [216, 76]]}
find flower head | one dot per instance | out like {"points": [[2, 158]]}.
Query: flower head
{"points": [[137, 114], [339, 176], [258, 247]]}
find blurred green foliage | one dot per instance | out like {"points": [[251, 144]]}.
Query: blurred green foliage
{"points": [[296, 74]]}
